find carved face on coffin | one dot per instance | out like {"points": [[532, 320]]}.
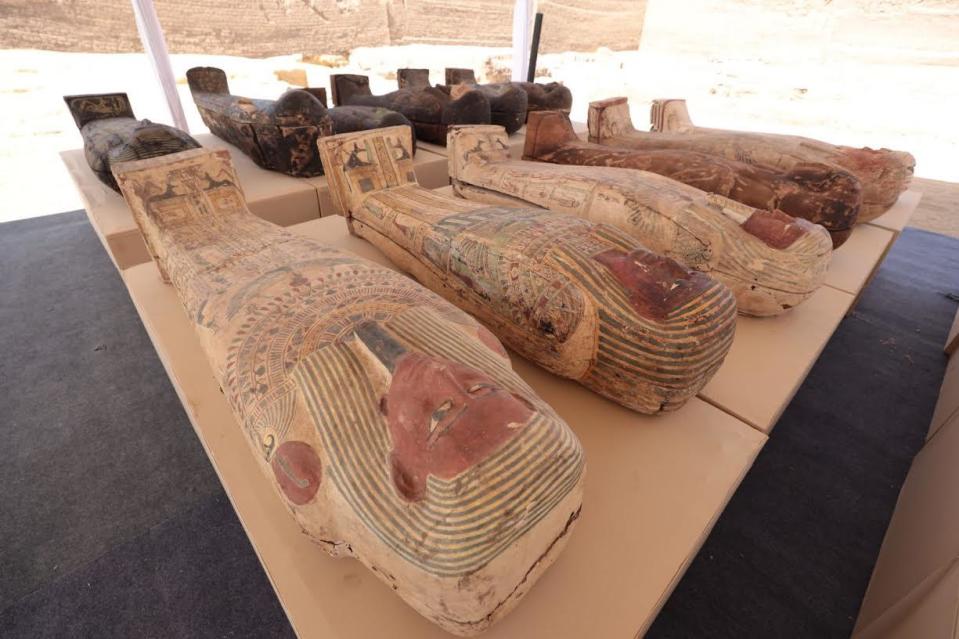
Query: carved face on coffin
{"points": [[443, 417]]}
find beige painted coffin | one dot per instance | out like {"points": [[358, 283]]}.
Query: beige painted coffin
{"points": [[391, 423], [884, 174], [275, 197], [770, 261], [583, 300], [655, 489]]}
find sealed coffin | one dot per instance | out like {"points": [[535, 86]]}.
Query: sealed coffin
{"points": [[583, 300], [548, 96], [430, 109], [279, 135], [770, 260], [507, 103], [112, 134], [390, 423], [884, 174], [821, 193]]}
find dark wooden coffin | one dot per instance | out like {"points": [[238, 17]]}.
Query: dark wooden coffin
{"points": [[429, 109], [279, 135], [508, 103], [111, 133], [548, 96], [821, 193]]}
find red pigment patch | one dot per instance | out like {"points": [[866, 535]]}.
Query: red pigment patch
{"points": [[656, 285], [775, 228], [445, 418], [870, 162], [298, 471]]}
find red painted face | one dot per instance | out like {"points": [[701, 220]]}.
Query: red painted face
{"points": [[775, 228], [444, 418], [656, 285]]}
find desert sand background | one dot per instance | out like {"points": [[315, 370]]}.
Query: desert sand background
{"points": [[880, 73]]}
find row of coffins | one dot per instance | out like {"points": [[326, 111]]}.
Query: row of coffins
{"points": [[388, 418]]}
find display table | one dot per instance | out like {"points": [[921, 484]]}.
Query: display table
{"points": [[771, 357], [516, 141], [275, 197], [847, 276], [898, 216], [654, 488], [854, 263], [107, 212]]}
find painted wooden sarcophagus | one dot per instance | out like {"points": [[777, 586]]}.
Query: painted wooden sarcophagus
{"points": [[884, 174], [582, 300], [431, 110], [507, 103], [821, 193], [279, 135], [111, 133], [771, 261], [541, 96], [390, 422]]}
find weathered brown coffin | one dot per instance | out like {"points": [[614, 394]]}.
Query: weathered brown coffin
{"points": [[112, 134], [507, 103], [771, 261], [391, 423], [884, 174], [821, 193], [583, 300], [548, 96], [279, 135], [430, 109]]}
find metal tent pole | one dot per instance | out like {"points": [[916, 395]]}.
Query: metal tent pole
{"points": [[522, 11], [154, 44], [534, 48]]}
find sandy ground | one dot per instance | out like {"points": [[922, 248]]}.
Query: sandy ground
{"points": [[881, 84]]}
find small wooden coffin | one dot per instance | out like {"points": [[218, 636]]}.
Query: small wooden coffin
{"points": [[431, 110], [390, 423], [770, 260], [112, 134], [547, 96], [507, 103], [821, 193], [583, 300], [884, 174], [279, 135]]}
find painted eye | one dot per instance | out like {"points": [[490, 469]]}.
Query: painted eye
{"points": [[439, 414], [479, 389]]}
